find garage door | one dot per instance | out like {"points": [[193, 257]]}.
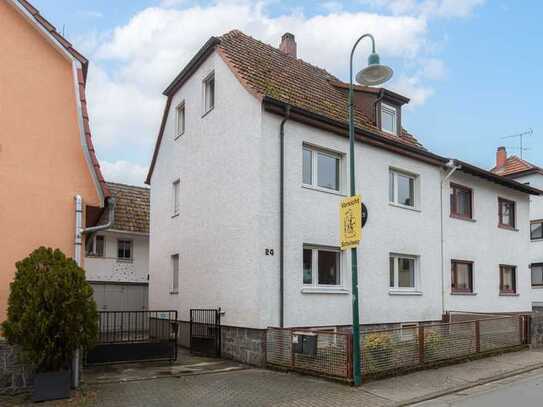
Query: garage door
{"points": [[120, 297]]}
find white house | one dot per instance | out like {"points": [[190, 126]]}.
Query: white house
{"points": [[249, 168], [527, 173], [117, 259]]}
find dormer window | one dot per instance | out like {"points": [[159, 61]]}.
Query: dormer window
{"points": [[389, 119]]}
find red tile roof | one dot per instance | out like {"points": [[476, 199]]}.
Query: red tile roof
{"points": [[131, 208], [515, 165]]}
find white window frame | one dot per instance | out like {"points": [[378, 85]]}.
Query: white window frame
{"points": [[315, 151], [175, 274], [392, 110], [416, 280], [315, 267], [124, 259], [176, 197], [93, 247], [205, 82], [180, 109], [416, 180]]}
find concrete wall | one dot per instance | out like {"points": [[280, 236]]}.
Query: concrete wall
{"points": [[42, 164], [15, 376]]}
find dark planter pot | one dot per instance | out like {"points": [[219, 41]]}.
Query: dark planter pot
{"points": [[52, 385]]}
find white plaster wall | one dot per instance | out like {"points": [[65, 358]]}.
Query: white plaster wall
{"points": [[108, 268], [312, 217], [487, 246], [215, 234]]}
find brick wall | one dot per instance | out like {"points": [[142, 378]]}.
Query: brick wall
{"points": [[14, 376]]}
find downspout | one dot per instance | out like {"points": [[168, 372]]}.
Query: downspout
{"points": [[452, 168], [282, 219]]}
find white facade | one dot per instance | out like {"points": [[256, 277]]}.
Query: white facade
{"points": [[227, 164]]}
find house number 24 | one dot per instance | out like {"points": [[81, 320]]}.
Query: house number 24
{"points": [[269, 252]]}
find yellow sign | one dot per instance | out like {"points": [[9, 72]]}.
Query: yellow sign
{"points": [[350, 221]]}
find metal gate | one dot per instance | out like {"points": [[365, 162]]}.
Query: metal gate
{"points": [[205, 332], [132, 336]]}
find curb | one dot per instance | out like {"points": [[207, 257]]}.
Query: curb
{"points": [[480, 382]]}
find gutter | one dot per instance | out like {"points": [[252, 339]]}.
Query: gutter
{"points": [[282, 218]]}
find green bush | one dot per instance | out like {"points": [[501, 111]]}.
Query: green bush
{"points": [[51, 312]]}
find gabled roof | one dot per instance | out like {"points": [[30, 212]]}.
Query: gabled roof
{"points": [[515, 166], [131, 208]]}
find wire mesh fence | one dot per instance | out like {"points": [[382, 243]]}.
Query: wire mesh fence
{"points": [[329, 353]]}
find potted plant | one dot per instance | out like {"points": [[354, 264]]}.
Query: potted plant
{"points": [[51, 313]]}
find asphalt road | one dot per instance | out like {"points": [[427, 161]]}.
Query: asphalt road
{"points": [[524, 390]]}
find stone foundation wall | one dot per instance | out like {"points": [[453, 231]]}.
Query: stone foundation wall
{"points": [[537, 330], [244, 345], [15, 377]]}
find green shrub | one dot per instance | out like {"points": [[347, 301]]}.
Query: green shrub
{"points": [[51, 312]]}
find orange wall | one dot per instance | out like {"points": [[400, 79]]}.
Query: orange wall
{"points": [[42, 165]]}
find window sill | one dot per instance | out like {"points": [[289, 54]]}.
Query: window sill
{"points": [[409, 208], [537, 287], [174, 292], [459, 217], [404, 292], [312, 290], [536, 240], [509, 294], [325, 190], [93, 256], [506, 227], [463, 293], [208, 111]]}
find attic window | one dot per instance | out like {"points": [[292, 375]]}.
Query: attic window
{"points": [[389, 119], [209, 92]]}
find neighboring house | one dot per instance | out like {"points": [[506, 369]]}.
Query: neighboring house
{"points": [[117, 260], [46, 153], [223, 234], [522, 171]]}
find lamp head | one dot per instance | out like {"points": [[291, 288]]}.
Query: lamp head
{"points": [[375, 73]]}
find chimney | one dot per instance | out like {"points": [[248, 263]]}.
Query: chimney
{"points": [[501, 157], [288, 44]]}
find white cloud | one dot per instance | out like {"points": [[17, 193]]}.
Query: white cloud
{"points": [[124, 172], [428, 8]]}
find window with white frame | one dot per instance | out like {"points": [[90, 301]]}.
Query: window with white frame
{"points": [[402, 188], [175, 274], [321, 168], [97, 246], [124, 249], [321, 266], [403, 272], [175, 197], [180, 119], [389, 119], [209, 92]]}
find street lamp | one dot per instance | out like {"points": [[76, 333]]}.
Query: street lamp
{"points": [[372, 75]]}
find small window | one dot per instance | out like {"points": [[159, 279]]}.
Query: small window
{"points": [[461, 276], [461, 202], [508, 279], [536, 230], [321, 169], [506, 213], [389, 119], [209, 93], [175, 197], [175, 274], [321, 266], [180, 119], [402, 188], [97, 246], [537, 274], [402, 271], [124, 249]]}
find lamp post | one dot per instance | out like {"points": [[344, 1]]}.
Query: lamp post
{"points": [[374, 74]]}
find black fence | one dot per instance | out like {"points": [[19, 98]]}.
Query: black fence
{"points": [[205, 332], [131, 336]]}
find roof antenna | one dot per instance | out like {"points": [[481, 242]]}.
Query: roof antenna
{"points": [[520, 136]]}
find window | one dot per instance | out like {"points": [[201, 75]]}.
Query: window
{"points": [[508, 279], [461, 276], [389, 119], [461, 202], [506, 213], [209, 93], [403, 272], [402, 188], [321, 266], [321, 169], [124, 249], [537, 274], [175, 197], [180, 119], [175, 274], [97, 246], [536, 230]]}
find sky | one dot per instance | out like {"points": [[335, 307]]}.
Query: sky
{"points": [[470, 67]]}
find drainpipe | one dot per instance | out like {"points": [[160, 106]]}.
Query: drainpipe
{"points": [[452, 167], [282, 219], [79, 231]]}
